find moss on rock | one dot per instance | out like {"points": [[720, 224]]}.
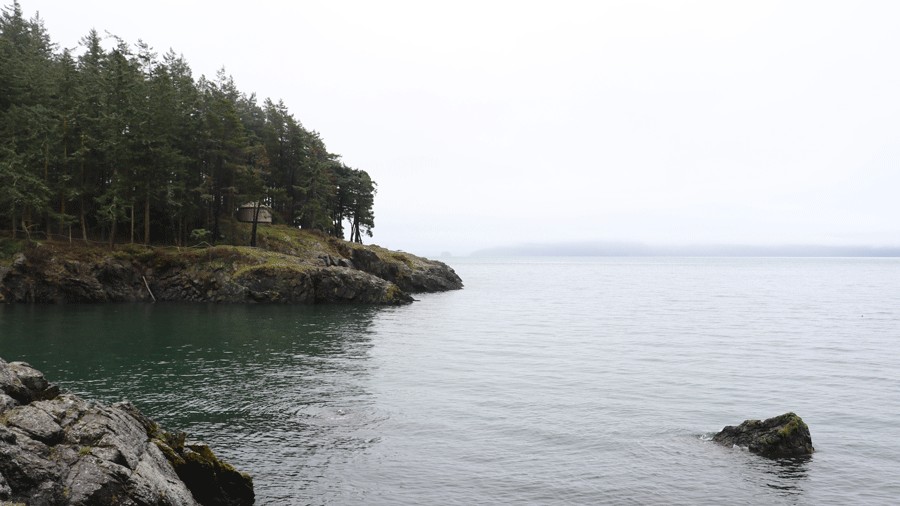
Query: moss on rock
{"points": [[785, 435], [210, 480], [292, 266]]}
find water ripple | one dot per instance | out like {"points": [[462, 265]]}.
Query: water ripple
{"points": [[560, 381]]}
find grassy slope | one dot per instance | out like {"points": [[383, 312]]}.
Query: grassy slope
{"points": [[280, 247]]}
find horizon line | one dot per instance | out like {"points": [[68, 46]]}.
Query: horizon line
{"points": [[614, 248]]}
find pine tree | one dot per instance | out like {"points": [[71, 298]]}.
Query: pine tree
{"points": [[26, 123], [119, 137]]}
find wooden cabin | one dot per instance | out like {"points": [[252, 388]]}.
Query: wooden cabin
{"points": [[245, 213]]}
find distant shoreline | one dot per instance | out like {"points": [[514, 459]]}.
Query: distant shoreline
{"points": [[624, 249]]}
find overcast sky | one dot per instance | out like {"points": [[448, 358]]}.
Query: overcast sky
{"points": [[490, 123]]}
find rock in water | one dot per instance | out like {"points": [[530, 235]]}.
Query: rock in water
{"points": [[781, 436], [59, 449]]}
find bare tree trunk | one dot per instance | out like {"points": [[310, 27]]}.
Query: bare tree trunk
{"points": [[354, 231], [83, 222], [81, 197], [147, 218], [62, 213], [255, 221], [48, 223], [62, 193]]}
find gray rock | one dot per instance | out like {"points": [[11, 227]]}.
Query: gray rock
{"points": [[36, 423], [68, 451], [5, 491], [94, 481], [33, 381], [7, 402], [409, 272], [342, 285], [154, 480], [785, 435], [26, 463], [6, 435], [11, 385]]}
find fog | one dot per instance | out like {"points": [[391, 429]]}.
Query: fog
{"points": [[499, 123]]}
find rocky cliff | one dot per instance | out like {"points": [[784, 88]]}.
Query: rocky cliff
{"points": [[59, 449], [290, 267]]}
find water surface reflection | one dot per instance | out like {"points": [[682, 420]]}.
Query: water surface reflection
{"points": [[276, 389], [788, 475]]}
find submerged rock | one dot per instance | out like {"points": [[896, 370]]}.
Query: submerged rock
{"points": [[786, 435], [59, 449]]}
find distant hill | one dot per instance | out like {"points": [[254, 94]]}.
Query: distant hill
{"points": [[614, 249]]}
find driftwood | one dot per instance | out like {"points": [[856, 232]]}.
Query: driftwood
{"points": [[148, 288]]}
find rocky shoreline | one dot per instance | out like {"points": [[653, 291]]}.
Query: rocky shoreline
{"points": [[59, 449], [289, 268]]}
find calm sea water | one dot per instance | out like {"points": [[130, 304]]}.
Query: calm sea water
{"points": [[544, 381]]}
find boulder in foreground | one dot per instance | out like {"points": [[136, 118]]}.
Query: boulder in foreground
{"points": [[59, 449], [786, 435]]}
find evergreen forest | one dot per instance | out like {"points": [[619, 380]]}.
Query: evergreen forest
{"points": [[124, 145]]}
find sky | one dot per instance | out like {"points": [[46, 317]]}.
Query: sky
{"points": [[493, 123]]}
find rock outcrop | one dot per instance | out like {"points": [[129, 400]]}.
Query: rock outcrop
{"points": [[59, 449], [781, 436], [412, 274], [328, 271]]}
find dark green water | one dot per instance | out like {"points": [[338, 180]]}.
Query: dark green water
{"points": [[141, 348], [245, 378]]}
